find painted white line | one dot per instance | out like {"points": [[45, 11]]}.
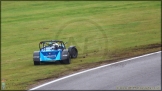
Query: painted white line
{"points": [[91, 70]]}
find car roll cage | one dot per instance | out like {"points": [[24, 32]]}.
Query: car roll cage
{"points": [[43, 42]]}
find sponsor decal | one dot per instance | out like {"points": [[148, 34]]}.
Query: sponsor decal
{"points": [[50, 55]]}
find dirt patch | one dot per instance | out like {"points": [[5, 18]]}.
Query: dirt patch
{"points": [[136, 51], [114, 57]]}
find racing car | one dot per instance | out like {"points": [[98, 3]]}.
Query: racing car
{"points": [[54, 50]]}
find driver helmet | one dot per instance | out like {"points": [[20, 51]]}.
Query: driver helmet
{"points": [[55, 45]]}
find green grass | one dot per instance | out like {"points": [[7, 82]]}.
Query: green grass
{"points": [[24, 24]]}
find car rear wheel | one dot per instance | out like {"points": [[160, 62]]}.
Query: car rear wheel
{"points": [[36, 59], [66, 61], [36, 63]]}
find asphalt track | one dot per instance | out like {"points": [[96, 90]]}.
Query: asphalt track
{"points": [[138, 73]]}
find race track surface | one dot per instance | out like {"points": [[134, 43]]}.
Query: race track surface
{"points": [[138, 73]]}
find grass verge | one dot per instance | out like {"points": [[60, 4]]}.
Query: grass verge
{"points": [[103, 32]]}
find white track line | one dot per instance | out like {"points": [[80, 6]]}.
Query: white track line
{"points": [[91, 70]]}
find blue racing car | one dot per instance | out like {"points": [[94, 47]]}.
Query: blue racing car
{"points": [[52, 51]]}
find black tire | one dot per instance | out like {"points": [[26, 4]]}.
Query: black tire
{"points": [[36, 59], [66, 61], [36, 63], [73, 52]]}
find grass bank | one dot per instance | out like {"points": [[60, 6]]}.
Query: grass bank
{"points": [[103, 31]]}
